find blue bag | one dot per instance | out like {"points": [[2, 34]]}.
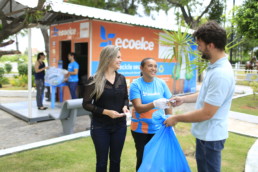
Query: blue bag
{"points": [[163, 153]]}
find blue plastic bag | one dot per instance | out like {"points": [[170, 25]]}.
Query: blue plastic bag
{"points": [[163, 153]]}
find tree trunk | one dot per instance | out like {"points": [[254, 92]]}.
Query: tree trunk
{"points": [[44, 32]]}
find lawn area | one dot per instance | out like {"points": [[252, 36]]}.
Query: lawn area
{"points": [[79, 155], [246, 105]]}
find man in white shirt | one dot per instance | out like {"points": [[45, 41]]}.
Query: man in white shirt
{"points": [[210, 119]]}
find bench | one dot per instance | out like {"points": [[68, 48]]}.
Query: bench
{"points": [[69, 111]]}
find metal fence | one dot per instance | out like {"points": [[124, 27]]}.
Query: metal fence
{"points": [[245, 75]]}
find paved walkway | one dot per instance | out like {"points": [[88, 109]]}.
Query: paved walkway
{"points": [[17, 135]]}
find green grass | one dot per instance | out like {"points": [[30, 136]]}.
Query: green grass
{"points": [[79, 155], [245, 104]]}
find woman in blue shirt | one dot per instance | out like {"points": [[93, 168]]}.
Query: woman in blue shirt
{"points": [[149, 96]]}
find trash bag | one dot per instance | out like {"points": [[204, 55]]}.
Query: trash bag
{"points": [[55, 76], [163, 153]]}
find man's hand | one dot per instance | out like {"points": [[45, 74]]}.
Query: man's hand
{"points": [[171, 121], [176, 101]]}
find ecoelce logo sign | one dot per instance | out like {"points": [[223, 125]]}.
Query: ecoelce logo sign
{"points": [[140, 44]]}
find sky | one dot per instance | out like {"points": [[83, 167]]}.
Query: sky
{"points": [[37, 40]]}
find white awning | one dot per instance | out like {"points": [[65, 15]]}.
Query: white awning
{"points": [[100, 14]]}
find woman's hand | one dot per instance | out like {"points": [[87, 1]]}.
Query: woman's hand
{"points": [[161, 103], [126, 111], [113, 114]]}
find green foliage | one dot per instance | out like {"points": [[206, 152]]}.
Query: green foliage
{"points": [[246, 19], [23, 69], [179, 43], [216, 11], [3, 80], [20, 58], [20, 81], [34, 16], [234, 43], [256, 53], [188, 12], [124, 6], [1, 72], [8, 67]]}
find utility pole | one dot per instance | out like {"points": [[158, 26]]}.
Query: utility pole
{"points": [[232, 33]]}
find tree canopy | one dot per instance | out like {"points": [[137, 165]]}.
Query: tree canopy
{"points": [[13, 21], [246, 19], [124, 6], [192, 11], [189, 14]]}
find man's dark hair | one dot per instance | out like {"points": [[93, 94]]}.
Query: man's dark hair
{"points": [[212, 32], [72, 54]]}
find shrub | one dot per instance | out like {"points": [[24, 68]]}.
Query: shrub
{"points": [[256, 53], [23, 69], [3, 80], [21, 81], [1, 72], [8, 67]]}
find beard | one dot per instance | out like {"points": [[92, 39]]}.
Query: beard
{"points": [[206, 57]]}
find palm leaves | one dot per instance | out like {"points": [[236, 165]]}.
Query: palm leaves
{"points": [[180, 45]]}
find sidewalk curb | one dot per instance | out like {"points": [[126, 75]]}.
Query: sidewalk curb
{"points": [[251, 160], [43, 143], [16, 93], [48, 142]]}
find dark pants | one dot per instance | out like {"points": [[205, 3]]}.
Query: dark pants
{"points": [[140, 140], [72, 87], [208, 155], [108, 140], [40, 92]]}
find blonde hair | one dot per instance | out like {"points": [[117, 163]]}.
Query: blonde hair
{"points": [[107, 55]]}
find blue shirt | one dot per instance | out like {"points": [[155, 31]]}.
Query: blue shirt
{"points": [[71, 67], [148, 92], [217, 89]]}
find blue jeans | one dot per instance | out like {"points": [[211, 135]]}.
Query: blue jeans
{"points": [[40, 92], [108, 140], [208, 155], [72, 87]]}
